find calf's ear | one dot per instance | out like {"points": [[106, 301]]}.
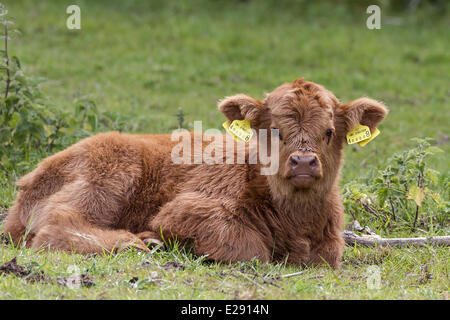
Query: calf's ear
{"points": [[363, 110], [241, 106]]}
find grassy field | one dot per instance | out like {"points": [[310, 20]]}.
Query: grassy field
{"points": [[148, 59]]}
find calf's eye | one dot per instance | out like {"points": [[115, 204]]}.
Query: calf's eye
{"points": [[329, 134]]}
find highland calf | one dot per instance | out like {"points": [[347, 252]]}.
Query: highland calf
{"points": [[112, 191]]}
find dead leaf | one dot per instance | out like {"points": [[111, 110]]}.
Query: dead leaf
{"points": [[82, 280], [425, 274], [173, 265], [14, 268], [22, 272], [417, 194]]}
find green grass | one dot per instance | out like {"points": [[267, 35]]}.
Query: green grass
{"points": [[147, 59], [402, 276]]}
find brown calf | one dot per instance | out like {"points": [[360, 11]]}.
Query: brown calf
{"points": [[112, 190]]}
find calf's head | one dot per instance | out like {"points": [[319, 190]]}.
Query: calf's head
{"points": [[312, 126]]}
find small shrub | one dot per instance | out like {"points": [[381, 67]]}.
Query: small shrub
{"points": [[28, 125], [405, 195]]}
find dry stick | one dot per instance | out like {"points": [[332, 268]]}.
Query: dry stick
{"points": [[392, 209], [370, 210], [291, 274], [415, 218], [351, 238]]}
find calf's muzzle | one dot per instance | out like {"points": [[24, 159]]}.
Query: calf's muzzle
{"points": [[304, 169]]}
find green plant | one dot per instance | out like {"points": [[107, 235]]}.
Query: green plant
{"points": [[180, 118], [406, 194], [30, 127]]}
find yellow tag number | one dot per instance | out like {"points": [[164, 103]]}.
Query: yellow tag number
{"points": [[361, 135], [375, 133], [239, 129], [358, 134]]}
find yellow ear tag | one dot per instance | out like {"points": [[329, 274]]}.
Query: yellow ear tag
{"points": [[239, 129], [375, 133], [360, 133]]}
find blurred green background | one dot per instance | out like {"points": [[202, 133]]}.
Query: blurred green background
{"points": [[147, 59]]}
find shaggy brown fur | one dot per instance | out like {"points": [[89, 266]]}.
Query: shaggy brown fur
{"points": [[112, 190]]}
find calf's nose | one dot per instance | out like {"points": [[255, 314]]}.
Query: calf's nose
{"points": [[303, 163]]}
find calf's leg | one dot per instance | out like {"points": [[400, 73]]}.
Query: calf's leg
{"points": [[67, 229], [14, 228], [80, 217], [215, 231], [329, 250]]}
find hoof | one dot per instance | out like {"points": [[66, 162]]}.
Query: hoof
{"points": [[153, 243]]}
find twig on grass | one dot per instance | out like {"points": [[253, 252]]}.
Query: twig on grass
{"points": [[351, 238], [291, 274]]}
